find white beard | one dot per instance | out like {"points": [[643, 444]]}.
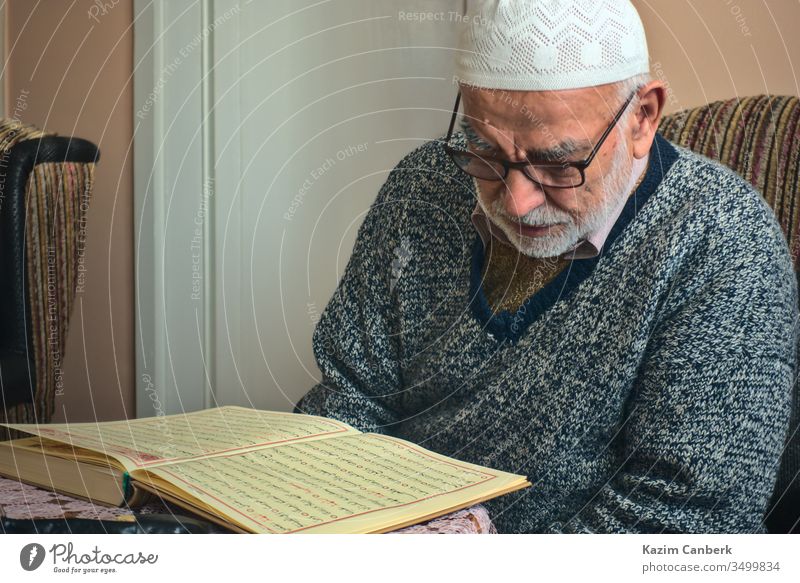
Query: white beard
{"points": [[567, 234]]}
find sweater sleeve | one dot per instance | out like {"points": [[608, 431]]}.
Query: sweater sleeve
{"points": [[353, 342], [699, 446]]}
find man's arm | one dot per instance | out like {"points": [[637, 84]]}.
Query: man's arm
{"points": [[353, 342], [704, 429]]}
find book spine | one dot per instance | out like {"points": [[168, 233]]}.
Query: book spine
{"points": [[127, 489]]}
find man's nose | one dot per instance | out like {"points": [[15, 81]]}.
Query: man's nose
{"points": [[521, 194]]}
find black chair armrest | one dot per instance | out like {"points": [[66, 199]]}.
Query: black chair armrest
{"points": [[16, 165]]}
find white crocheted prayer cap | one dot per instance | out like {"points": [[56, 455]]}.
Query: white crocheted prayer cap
{"points": [[548, 45]]}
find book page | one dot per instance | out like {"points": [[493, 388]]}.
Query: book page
{"points": [[138, 443], [357, 483]]}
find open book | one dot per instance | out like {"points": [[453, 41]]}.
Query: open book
{"points": [[254, 471]]}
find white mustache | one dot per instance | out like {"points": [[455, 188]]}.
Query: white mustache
{"points": [[543, 216]]}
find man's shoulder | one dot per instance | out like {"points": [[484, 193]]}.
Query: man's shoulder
{"points": [[425, 194], [429, 165], [427, 155], [711, 191], [721, 219], [427, 176], [711, 181]]}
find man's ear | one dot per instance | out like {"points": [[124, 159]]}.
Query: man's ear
{"points": [[647, 117]]}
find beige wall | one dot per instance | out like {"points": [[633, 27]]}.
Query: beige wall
{"points": [[716, 49], [76, 72]]}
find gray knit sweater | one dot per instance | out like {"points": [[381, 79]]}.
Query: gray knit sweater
{"points": [[645, 390]]}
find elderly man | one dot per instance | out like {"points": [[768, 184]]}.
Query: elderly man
{"points": [[557, 291]]}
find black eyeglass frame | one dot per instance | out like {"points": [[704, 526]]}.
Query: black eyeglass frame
{"points": [[580, 165]]}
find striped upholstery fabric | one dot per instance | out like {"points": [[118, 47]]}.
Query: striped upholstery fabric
{"points": [[759, 138], [12, 132], [56, 200]]}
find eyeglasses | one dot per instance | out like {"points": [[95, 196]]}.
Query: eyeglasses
{"points": [[545, 174]]}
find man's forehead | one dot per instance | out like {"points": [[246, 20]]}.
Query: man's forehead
{"points": [[528, 107], [556, 124], [549, 149]]}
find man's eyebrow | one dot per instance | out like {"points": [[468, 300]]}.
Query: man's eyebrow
{"points": [[559, 153], [472, 135]]}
